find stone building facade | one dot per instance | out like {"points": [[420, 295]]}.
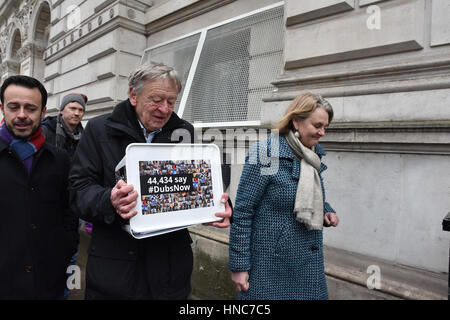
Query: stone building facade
{"points": [[383, 64]]}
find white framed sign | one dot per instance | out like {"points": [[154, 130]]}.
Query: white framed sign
{"points": [[179, 185]]}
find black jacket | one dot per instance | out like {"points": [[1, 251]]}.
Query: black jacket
{"points": [[38, 232], [49, 131], [119, 266]]}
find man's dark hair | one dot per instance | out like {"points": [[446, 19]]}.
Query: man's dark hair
{"points": [[27, 82]]}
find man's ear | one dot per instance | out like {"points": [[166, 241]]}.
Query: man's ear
{"points": [[132, 95]]}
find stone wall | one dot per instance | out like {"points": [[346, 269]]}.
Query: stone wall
{"points": [[384, 66]]}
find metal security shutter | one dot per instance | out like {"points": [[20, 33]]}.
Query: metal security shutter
{"points": [[219, 91], [177, 54], [231, 69]]}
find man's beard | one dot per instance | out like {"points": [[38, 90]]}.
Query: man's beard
{"points": [[34, 129]]}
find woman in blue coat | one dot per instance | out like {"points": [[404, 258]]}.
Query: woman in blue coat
{"points": [[276, 235]]}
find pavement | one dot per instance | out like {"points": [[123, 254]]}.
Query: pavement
{"points": [[347, 277]]}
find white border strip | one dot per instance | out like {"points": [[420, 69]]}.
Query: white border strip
{"points": [[226, 124], [245, 15], [170, 41], [193, 69]]}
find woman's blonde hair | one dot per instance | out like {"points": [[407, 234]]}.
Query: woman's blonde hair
{"points": [[301, 108]]}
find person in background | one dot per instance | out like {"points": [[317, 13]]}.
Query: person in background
{"points": [[275, 247], [38, 232], [64, 130]]}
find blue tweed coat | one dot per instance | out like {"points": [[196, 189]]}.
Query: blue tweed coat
{"points": [[284, 259]]}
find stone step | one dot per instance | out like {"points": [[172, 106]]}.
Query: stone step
{"points": [[349, 272]]}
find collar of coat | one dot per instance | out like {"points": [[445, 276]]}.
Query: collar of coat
{"points": [[285, 152], [261, 152], [124, 120]]}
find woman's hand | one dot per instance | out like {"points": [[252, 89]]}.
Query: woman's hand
{"points": [[331, 219], [240, 280], [226, 215]]}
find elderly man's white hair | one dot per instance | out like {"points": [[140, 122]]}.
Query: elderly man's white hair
{"points": [[152, 71]]}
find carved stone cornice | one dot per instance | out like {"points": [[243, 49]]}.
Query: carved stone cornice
{"points": [[409, 137], [30, 49], [21, 13], [396, 148], [432, 72], [24, 17], [100, 23], [8, 7], [39, 50], [4, 39], [25, 51], [9, 66], [137, 5]]}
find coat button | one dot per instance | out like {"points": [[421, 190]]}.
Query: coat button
{"points": [[33, 226], [314, 248], [131, 253], [28, 269]]}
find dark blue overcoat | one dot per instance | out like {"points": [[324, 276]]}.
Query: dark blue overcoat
{"points": [[284, 259]]}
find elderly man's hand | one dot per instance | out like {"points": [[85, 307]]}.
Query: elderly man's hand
{"points": [[124, 199], [226, 215]]}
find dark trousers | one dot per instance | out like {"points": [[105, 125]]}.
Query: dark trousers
{"points": [[161, 271]]}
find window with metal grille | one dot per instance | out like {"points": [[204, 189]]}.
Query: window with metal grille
{"points": [[226, 69]]}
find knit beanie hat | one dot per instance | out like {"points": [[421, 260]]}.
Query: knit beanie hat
{"points": [[74, 97]]}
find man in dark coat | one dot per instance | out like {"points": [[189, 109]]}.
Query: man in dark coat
{"points": [[38, 231], [119, 266], [65, 130]]}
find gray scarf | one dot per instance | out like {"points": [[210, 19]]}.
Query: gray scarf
{"points": [[63, 133], [309, 199]]}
